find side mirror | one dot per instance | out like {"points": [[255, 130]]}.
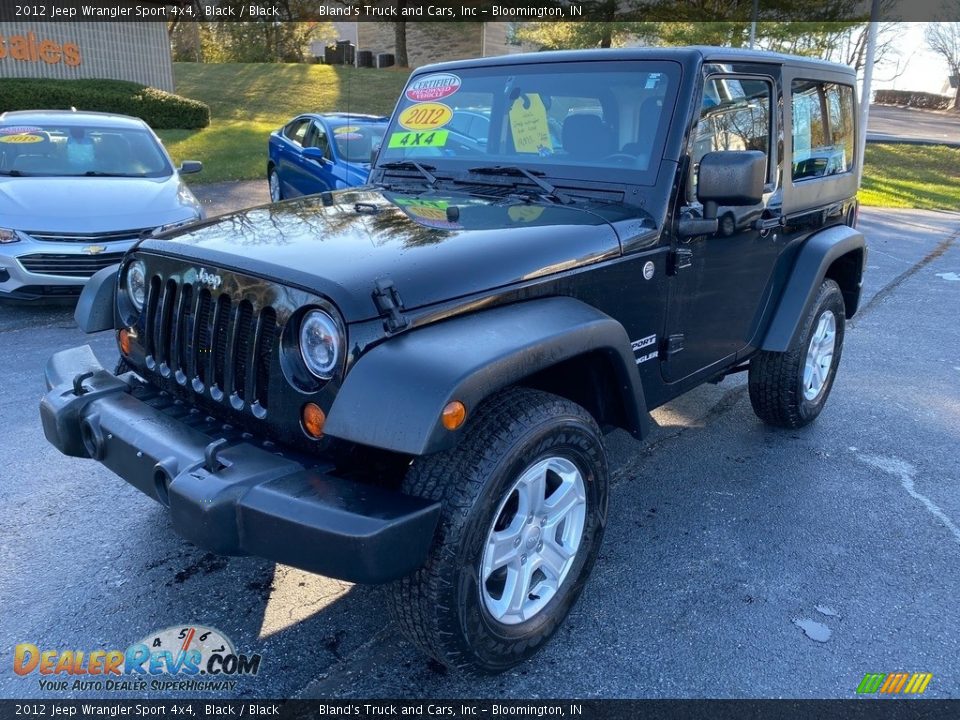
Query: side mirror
{"points": [[734, 178], [373, 155], [189, 167], [315, 153]]}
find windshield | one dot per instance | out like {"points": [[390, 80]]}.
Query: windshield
{"points": [[69, 150], [564, 120], [356, 140]]}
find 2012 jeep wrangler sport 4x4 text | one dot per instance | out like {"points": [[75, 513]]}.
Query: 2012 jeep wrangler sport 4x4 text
{"points": [[408, 382]]}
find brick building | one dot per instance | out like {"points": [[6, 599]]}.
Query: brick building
{"points": [[137, 51], [431, 42]]}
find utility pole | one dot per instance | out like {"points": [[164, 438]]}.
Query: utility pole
{"points": [[753, 23]]}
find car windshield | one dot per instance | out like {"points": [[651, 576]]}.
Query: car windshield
{"points": [[51, 150], [564, 119], [357, 139]]}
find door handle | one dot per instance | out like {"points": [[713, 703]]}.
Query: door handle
{"points": [[769, 223]]}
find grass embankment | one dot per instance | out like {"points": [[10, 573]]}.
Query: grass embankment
{"points": [[911, 176], [249, 101]]}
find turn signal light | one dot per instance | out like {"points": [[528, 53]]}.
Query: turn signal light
{"points": [[453, 415], [125, 337], [313, 420]]}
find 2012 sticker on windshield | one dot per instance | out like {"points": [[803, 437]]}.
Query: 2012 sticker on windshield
{"points": [[432, 138], [25, 138], [425, 116]]}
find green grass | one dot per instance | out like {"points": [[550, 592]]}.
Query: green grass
{"points": [[248, 101], [911, 176]]}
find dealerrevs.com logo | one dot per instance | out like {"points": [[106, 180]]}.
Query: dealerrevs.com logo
{"points": [[185, 658]]}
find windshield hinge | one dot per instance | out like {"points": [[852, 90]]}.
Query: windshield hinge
{"points": [[679, 259], [388, 302]]}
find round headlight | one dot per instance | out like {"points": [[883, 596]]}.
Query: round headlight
{"points": [[320, 344], [136, 284]]}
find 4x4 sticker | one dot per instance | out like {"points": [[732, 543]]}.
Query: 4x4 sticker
{"points": [[434, 138], [425, 116], [433, 87]]}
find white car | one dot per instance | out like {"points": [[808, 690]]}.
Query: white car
{"points": [[77, 189]]}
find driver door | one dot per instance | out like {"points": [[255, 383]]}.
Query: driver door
{"points": [[721, 281]]}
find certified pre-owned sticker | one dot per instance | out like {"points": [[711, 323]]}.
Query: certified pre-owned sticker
{"points": [[425, 116], [18, 129], [21, 138], [434, 138], [433, 87]]}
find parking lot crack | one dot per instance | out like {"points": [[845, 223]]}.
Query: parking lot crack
{"points": [[907, 472]]}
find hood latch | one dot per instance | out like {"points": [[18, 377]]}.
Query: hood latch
{"points": [[387, 299]]}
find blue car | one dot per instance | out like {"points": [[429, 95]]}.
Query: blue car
{"points": [[315, 152]]}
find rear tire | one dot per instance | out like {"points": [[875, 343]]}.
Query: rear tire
{"points": [[790, 389], [505, 568]]}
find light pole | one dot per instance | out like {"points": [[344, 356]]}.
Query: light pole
{"points": [[867, 82], [753, 22]]}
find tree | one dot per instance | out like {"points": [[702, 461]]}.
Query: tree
{"points": [[944, 39]]}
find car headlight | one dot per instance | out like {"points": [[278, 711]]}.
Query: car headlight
{"points": [[320, 344], [135, 283], [8, 236]]}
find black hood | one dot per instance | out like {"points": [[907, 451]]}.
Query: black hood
{"points": [[434, 247]]}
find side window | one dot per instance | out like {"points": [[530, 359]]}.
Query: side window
{"points": [[296, 130], [317, 137], [823, 129], [842, 123], [734, 115]]}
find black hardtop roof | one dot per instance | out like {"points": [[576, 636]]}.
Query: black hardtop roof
{"points": [[679, 54]]}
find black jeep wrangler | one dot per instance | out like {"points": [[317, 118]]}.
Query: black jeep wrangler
{"points": [[409, 382]]}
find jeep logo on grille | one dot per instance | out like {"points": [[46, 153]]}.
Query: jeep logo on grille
{"points": [[210, 279]]}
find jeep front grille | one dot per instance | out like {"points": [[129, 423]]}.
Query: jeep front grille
{"points": [[218, 346]]}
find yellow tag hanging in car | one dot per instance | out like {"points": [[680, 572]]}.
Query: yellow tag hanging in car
{"points": [[528, 124]]}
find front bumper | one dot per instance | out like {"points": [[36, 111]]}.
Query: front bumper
{"points": [[226, 492]]}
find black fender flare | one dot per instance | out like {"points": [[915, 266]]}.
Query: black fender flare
{"points": [[97, 307], [393, 396], [810, 267]]}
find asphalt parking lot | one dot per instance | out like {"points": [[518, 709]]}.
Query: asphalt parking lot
{"points": [[739, 561]]}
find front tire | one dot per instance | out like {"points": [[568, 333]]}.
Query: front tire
{"points": [[524, 508], [790, 389]]}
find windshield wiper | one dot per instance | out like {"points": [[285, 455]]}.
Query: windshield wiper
{"points": [[97, 173], [411, 165], [549, 190]]}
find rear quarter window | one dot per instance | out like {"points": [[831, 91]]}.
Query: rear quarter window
{"points": [[824, 134]]}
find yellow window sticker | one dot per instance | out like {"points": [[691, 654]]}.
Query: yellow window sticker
{"points": [[528, 124], [21, 138], [434, 138], [426, 116], [346, 130]]}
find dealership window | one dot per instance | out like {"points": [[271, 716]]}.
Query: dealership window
{"points": [[823, 129], [735, 114]]}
